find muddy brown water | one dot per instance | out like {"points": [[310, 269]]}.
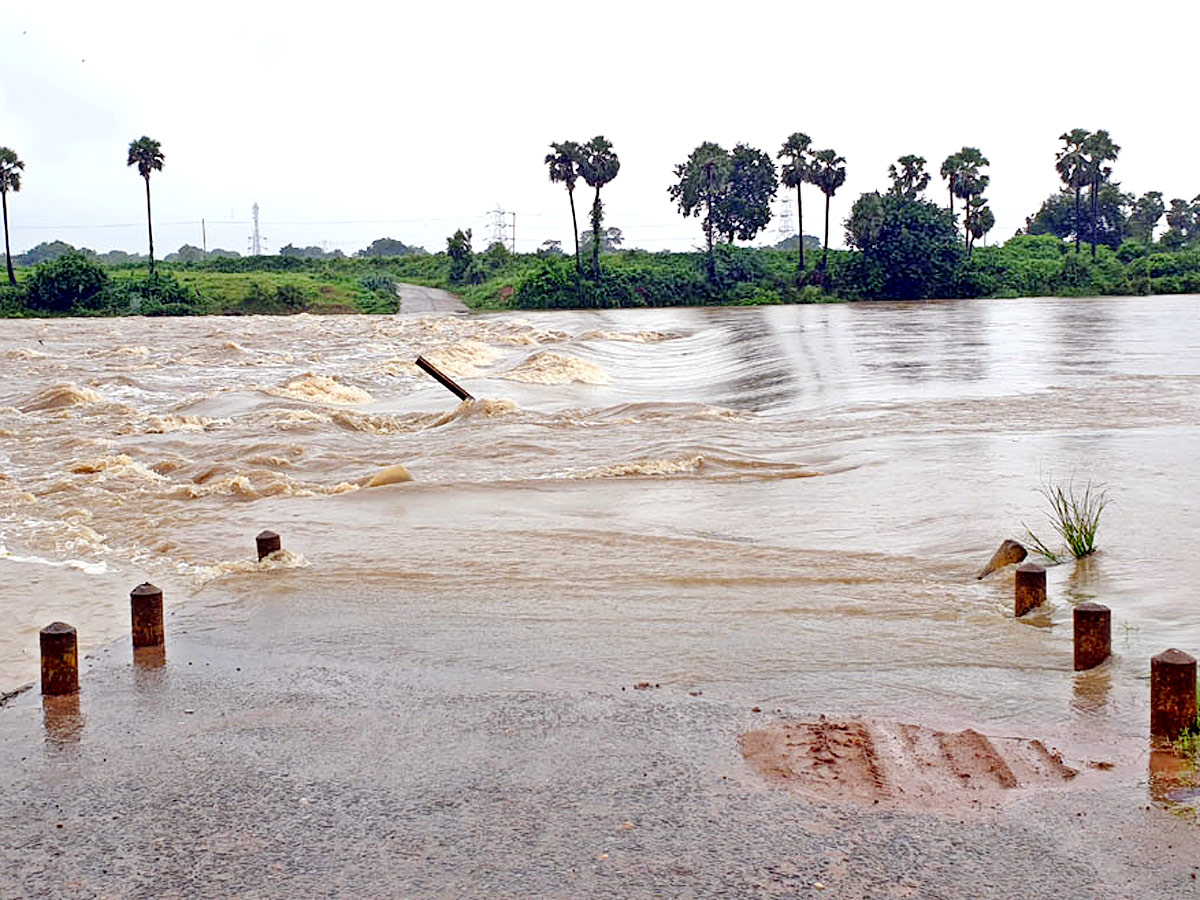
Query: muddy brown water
{"points": [[782, 506]]}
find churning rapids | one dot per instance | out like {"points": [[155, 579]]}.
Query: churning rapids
{"points": [[783, 505]]}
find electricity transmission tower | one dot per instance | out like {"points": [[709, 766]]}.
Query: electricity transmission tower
{"points": [[256, 238], [499, 226], [787, 226]]}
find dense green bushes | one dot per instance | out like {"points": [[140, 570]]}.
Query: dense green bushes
{"points": [[1027, 265]]}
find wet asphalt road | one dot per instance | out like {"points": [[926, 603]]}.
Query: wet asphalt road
{"points": [[304, 752]]}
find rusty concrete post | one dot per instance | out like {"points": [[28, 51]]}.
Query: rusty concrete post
{"points": [[1093, 635], [268, 542], [146, 612], [1172, 693], [1030, 588], [60, 659]]}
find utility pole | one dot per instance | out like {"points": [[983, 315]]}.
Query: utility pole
{"points": [[514, 233], [204, 237]]}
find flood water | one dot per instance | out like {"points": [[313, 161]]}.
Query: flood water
{"points": [[784, 505]]}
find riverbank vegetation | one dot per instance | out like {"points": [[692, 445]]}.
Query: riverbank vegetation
{"points": [[902, 245]]}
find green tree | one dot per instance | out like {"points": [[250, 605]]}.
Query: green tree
{"points": [[910, 179], [1071, 165], [1183, 223], [1098, 150], [828, 172], [952, 168], [970, 184], [10, 180], [598, 165], [981, 219], [1056, 216], [61, 284], [610, 240], [563, 163], [1147, 210], [462, 257], [387, 247], [910, 248], [744, 209], [45, 252], [147, 155], [793, 173], [702, 182]]}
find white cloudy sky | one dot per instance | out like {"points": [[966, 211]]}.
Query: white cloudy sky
{"points": [[355, 120]]}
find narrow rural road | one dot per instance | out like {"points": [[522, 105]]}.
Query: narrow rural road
{"points": [[427, 301]]}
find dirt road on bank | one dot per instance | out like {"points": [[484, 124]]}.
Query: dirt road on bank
{"points": [[416, 300]]}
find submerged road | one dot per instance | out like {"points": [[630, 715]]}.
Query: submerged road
{"points": [[309, 750], [427, 301]]}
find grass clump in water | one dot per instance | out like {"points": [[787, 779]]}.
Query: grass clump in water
{"points": [[1075, 515]]}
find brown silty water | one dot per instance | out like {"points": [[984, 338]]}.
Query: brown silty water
{"points": [[782, 506]]}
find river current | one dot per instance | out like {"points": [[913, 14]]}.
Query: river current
{"points": [[784, 505]]}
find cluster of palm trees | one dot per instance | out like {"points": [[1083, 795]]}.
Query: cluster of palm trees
{"points": [[823, 168], [1083, 162], [962, 173], [597, 164], [145, 153]]}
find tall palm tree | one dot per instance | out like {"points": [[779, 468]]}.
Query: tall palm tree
{"points": [[598, 165], [828, 172], [147, 155], [969, 183], [794, 173], [10, 180], [910, 179], [564, 167], [1070, 163], [1097, 150], [952, 167]]}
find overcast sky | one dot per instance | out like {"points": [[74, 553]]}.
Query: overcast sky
{"points": [[351, 121]]}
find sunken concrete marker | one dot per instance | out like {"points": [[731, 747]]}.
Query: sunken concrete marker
{"points": [[268, 542], [1008, 553], [1172, 693], [1030, 588], [447, 382], [60, 659], [146, 612], [1093, 635]]}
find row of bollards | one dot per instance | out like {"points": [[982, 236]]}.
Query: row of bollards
{"points": [[1172, 673], [60, 644]]}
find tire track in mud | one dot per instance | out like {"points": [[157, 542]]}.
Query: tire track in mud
{"points": [[897, 764]]}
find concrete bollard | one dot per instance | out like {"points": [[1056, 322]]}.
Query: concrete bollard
{"points": [[268, 542], [1030, 589], [60, 659], [146, 612], [1172, 693], [1093, 635]]}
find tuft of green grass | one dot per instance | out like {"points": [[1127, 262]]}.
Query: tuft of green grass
{"points": [[1074, 515]]}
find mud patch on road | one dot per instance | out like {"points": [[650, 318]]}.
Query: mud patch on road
{"points": [[894, 764]]}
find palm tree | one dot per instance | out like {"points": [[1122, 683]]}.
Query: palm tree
{"points": [[564, 167], [951, 168], [1070, 164], [598, 165], [910, 179], [1097, 150], [10, 180], [828, 172], [969, 183], [147, 155], [794, 173]]}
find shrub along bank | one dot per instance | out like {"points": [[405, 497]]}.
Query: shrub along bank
{"points": [[1025, 266]]}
